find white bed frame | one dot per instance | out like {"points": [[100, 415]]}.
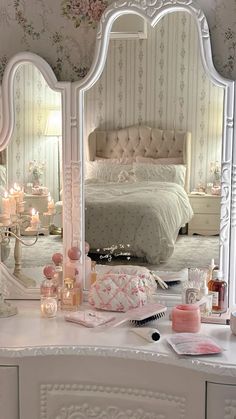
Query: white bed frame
{"points": [[141, 140]]}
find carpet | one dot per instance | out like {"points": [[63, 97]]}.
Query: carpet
{"points": [[39, 254], [190, 251]]}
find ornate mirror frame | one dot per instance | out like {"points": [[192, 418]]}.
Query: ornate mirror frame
{"points": [[153, 11], [14, 289]]}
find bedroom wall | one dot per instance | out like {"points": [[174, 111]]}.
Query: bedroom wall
{"points": [[33, 99], [64, 33], [160, 81]]}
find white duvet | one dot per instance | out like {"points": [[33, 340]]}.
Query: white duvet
{"points": [[141, 218]]}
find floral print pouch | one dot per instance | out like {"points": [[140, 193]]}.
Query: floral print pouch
{"points": [[118, 292]]}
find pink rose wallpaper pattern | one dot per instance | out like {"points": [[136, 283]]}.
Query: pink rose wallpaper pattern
{"points": [[83, 11], [63, 32]]}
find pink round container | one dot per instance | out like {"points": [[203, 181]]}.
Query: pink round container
{"points": [[186, 318]]}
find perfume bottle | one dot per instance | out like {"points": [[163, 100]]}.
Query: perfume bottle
{"points": [[93, 275], [57, 259], [88, 267], [49, 286], [49, 293], [70, 297], [73, 265], [210, 270], [218, 288]]}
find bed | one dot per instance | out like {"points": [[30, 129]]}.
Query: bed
{"points": [[136, 201]]}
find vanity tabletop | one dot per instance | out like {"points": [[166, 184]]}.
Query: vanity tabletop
{"points": [[29, 334]]}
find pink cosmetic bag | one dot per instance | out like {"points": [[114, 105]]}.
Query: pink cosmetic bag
{"points": [[119, 292]]}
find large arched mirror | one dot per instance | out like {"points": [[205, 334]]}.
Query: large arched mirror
{"points": [[33, 107], [156, 127]]}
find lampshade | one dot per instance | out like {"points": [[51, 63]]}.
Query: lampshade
{"points": [[53, 125]]}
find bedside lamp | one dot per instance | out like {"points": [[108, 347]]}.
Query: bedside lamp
{"points": [[54, 129]]}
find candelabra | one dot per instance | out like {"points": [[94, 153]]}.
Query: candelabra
{"points": [[12, 222], [12, 229]]}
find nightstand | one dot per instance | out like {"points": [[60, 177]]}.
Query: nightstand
{"points": [[206, 219]]}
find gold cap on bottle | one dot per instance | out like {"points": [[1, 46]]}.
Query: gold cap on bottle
{"points": [[69, 283]]}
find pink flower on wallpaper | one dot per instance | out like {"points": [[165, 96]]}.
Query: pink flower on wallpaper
{"points": [[79, 7], [96, 9], [83, 11]]}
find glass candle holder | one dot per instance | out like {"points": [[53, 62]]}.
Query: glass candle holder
{"points": [[48, 306], [186, 318]]}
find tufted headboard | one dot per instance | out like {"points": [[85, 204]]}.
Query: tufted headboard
{"points": [[142, 141]]}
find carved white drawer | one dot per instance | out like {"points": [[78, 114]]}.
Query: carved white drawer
{"points": [[9, 392], [221, 401]]}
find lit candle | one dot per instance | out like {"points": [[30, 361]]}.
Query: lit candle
{"points": [[34, 218], [6, 209], [51, 205], [21, 194], [48, 306], [12, 202], [15, 192]]}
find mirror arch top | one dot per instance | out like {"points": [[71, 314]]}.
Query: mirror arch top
{"points": [[153, 11], [7, 89]]}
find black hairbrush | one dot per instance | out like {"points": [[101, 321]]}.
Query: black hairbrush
{"points": [[141, 315]]}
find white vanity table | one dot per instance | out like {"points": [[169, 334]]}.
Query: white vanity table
{"points": [[56, 369]]}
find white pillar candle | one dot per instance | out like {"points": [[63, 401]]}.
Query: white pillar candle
{"points": [[6, 209], [15, 192], [35, 219], [21, 195], [12, 203], [51, 205]]}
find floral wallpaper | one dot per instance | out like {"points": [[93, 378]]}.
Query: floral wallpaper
{"points": [[63, 32]]}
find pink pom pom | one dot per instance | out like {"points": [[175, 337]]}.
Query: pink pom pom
{"points": [[74, 253], [57, 258], [49, 271]]}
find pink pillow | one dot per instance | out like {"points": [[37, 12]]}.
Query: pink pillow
{"points": [[162, 160]]}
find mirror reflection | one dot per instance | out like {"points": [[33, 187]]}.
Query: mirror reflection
{"points": [[153, 135], [33, 173]]}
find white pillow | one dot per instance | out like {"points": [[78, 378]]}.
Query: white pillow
{"points": [[161, 160], [103, 171], [174, 173], [121, 160]]}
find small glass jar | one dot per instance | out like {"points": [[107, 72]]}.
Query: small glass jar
{"points": [[49, 306], [186, 318]]}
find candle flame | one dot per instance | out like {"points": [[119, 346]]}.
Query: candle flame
{"points": [[33, 212], [5, 194], [11, 191]]}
